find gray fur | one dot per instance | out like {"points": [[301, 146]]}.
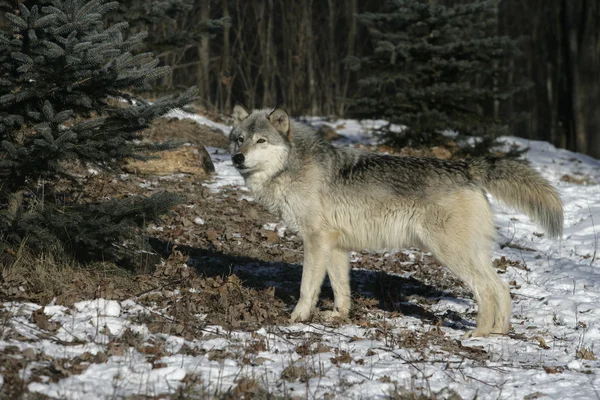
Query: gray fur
{"points": [[516, 184], [342, 199]]}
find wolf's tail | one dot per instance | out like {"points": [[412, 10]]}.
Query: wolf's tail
{"points": [[518, 185]]}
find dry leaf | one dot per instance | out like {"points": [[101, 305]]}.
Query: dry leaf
{"points": [[554, 370], [586, 354], [542, 343], [343, 358]]}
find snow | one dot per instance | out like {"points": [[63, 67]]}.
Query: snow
{"points": [[556, 318], [226, 174], [103, 307], [352, 131], [180, 114]]}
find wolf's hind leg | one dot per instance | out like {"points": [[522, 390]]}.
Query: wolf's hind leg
{"points": [[460, 234], [503, 308], [478, 278], [316, 251], [493, 291], [338, 270]]}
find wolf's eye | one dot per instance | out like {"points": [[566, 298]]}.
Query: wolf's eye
{"points": [[240, 140], [260, 141]]}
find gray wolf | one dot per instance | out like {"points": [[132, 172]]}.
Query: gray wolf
{"points": [[342, 199]]}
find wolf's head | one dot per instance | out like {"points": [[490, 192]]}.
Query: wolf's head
{"points": [[260, 142]]}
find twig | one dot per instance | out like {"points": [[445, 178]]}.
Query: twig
{"points": [[51, 337], [529, 297], [497, 386], [158, 287], [280, 334], [324, 329]]}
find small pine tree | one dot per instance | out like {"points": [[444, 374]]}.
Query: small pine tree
{"points": [[59, 68], [434, 68]]}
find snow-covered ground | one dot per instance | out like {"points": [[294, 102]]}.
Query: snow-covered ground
{"points": [[552, 353]]}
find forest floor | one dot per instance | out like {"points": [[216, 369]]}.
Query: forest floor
{"points": [[211, 320]]}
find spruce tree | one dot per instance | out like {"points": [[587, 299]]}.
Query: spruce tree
{"points": [[60, 68], [434, 68], [176, 30]]}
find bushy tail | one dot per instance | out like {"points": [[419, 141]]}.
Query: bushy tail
{"points": [[518, 185]]}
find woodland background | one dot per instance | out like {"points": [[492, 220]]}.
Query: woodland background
{"points": [[263, 53]]}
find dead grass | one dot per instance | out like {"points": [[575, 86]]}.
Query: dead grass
{"points": [[53, 275]]}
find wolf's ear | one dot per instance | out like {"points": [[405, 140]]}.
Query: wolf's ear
{"points": [[239, 114], [281, 121]]}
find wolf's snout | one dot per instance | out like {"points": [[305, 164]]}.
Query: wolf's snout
{"points": [[238, 159]]}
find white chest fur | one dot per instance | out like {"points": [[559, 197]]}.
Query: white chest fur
{"points": [[282, 197]]}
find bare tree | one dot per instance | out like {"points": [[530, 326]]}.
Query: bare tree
{"points": [[203, 74]]}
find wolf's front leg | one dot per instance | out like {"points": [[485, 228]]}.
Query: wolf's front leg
{"points": [[313, 273], [338, 270]]}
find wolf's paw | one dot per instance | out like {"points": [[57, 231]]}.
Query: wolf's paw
{"points": [[494, 332], [334, 316], [476, 333], [300, 313], [499, 331]]}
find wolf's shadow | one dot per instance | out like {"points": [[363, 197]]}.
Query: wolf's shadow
{"points": [[392, 292]]}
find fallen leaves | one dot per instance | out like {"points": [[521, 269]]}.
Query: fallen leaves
{"points": [[586, 354], [299, 372], [271, 236], [554, 370], [343, 358], [42, 321]]}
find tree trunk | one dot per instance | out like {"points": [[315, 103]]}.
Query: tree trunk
{"points": [[332, 82], [226, 76], [582, 30], [310, 57], [203, 75], [352, 29], [266, 45]]}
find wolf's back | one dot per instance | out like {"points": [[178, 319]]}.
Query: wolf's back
{"points": [[518, 185]]}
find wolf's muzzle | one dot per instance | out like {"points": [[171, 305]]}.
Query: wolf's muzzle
{"points": [[238, 159]]}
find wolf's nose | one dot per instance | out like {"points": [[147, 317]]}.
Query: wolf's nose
{"points": [[238, 159]]}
